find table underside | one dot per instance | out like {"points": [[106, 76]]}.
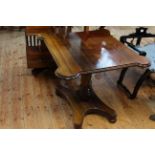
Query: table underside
{"points": [[84, 101]]}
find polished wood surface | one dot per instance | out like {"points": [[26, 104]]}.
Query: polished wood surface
{"points": [[97, 52], [30, 102]]}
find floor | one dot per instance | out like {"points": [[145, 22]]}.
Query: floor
{"points": [[28, 101]]}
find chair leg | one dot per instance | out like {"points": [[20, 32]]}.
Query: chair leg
{"points": [[140, 82], [152, 117], [133, 94], [122, 75], [120, 82]]}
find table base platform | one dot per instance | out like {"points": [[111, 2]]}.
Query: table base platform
{"points": [[84, 102]]}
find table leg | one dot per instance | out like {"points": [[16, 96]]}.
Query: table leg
{"points": [[84, 101]]}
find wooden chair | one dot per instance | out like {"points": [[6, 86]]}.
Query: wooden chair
{"points": [[38, 56], [134, 41]]}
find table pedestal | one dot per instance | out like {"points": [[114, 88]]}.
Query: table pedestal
{"points": [[84, 101]]}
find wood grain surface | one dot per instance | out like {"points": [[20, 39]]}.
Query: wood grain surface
{"points": [[96, 52]]}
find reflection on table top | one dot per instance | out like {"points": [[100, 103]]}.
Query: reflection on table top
{"points": [[82, 53]]}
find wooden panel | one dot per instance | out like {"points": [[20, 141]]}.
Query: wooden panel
{"points": [[61, 55], [38, 55]]}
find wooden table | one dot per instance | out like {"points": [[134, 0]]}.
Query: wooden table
{"points": [[79, 56]]}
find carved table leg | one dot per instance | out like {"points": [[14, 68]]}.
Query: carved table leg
{"points": [[84, 101]]}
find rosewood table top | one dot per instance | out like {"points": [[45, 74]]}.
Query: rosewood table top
{"points": [[94, 52]]}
